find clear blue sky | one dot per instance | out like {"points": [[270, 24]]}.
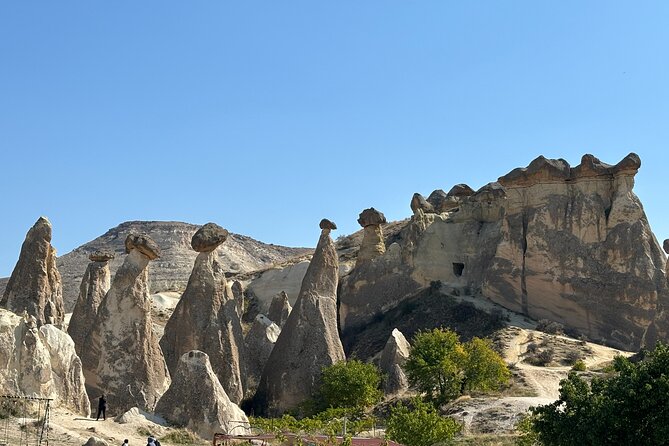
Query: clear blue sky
{"points": [[267, 116]]}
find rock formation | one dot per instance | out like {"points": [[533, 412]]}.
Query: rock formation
{"points": [[570, 244], [267, 284], [40, 362], [122, 358], [196, 400], [206, 317], [238, 293], [309, 341], [393, 357], [35, 285], [373, 244], [259, 342], [665, 245], [280, 309], [94, 287], [239, 254]]}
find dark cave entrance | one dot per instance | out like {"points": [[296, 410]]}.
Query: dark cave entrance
{"points": [[458, 268]]}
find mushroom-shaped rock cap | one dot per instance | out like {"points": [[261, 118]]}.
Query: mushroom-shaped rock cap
{"points": [[370, 217], [144, 244], [101, 255], [327, 224], [419, 202], [666, 246], [208, 237]]}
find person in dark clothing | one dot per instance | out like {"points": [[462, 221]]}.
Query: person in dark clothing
{"points": [[102, 408]]}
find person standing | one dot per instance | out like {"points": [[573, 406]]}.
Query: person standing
{"points": [[102, 408]]}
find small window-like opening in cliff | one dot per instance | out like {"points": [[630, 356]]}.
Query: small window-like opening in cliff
{"points": [[458, 268]]}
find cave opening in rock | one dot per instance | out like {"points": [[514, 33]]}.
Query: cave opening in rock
{"points": [[458, 268]]}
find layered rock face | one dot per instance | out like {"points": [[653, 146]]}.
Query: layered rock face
{"points": [[206, 317], [393, 357], [280, 309], [196, 400], [40, 362], [309, 341], [373, 244], [35, 285], [551, 241], [122, 358], [94, 287], [259, 342]]}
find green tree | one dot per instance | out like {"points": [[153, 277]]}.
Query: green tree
{"points": [[631, 407], [420, 425], [443, 368], [350, 384]]}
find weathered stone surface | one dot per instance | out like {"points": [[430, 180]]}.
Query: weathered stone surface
{"points": [[550, 241], [94, 287], [207, 319], [309, 341], [143, 244], [95, 441], [196, 400], [269, 283], [393, 357], [40, 362], [327, 224], [259, 342], [461, 191], [665, 245], [280, 309], [371, 216], [419, 203], [208, 237], [239, 254], [101, 256], [372, 244], [35, 285], [238, 293], [122, 358]]}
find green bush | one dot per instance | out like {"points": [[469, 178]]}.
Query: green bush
{"points": [[420, 425], [350, 384], [629, 407], [579, 366], [443, 368]]}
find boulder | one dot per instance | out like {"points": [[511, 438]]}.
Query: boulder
{"points": [[35, 284], [280, 309], [208, 238], [101, 255], [95, 441], [40, 362], [393, 357], [207, 319], [373, 244], [197, 401], [259, 342], [419, 203], [122, 358], [94, 286], [309, 341]]}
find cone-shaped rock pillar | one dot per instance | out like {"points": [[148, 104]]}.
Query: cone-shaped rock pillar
{"points": [[35, 285], [309, 341], [207, 318], [122, 358], [94, 287]]}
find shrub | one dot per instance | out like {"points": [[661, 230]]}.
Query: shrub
{"points": [[444, 368], [573, 356], [420, 425], [350, 384], [579, 366], [542, 357]]}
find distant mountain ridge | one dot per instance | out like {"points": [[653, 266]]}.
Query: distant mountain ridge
{"points": [[239, 254]]}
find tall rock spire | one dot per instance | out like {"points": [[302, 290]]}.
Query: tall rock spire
{"points": [[309, 341], [35, 285], [122, 358], [207, 318]]}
